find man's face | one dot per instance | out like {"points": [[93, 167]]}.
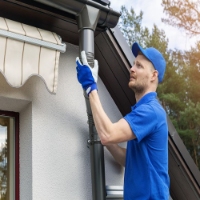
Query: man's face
{"points": [[140, 74]]}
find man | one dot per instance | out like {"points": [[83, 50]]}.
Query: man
{"points": [[145, 127]]}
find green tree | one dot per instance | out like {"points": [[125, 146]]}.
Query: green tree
{"points": [[3, 171], [188, 127], [130, 26], [183, 14], [192, 71], [173, 90]]}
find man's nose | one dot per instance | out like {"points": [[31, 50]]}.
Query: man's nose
{"points": [[132, 69]]}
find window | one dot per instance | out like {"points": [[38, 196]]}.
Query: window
{"points": [[9, 155]]}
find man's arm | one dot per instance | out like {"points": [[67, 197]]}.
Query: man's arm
{"points": [[118, 153], [109, 133]]}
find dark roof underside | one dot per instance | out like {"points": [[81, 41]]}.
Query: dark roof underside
{"points": [[111, 53]]}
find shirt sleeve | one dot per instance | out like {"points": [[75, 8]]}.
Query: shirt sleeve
{"points": [[142, 121]]}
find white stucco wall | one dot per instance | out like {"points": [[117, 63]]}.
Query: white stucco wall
{"points": [[54, 158]]}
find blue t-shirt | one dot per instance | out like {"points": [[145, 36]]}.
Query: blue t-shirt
{"points": [[146, 170]]}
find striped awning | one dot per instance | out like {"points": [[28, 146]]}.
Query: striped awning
{"points": [[27, 51]]}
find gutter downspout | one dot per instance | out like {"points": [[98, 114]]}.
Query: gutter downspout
{"points": [[90, 13], [87, 21]]}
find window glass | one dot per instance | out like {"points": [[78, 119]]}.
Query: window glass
{"points": [[9, 176], [3, 160]]}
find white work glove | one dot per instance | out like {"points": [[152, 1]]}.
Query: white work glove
{"points": [[87, 76]]}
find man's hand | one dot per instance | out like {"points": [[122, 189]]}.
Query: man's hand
{"points": [[87, 76]]}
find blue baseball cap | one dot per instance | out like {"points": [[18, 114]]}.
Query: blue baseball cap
{"points": [[154, 56]]}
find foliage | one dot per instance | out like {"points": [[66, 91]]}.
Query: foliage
{"points": [[130, 26], [179, 92], [3, 172], [183, 14], [189, 129]]}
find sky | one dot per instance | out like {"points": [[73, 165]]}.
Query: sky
{"points": [[152, 14]]}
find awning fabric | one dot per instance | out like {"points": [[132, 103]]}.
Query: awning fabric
{"points": [[26, 51]]}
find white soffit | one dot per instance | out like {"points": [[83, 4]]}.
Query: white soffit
{"points": [[26, 51]]}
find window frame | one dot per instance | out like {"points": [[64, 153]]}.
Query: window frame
{"points": [[15, 115]]}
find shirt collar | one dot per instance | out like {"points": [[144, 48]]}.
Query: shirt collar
{"points": [[145, 99]]}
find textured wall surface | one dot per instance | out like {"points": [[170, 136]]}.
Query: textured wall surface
{"points": [[54, 158]]}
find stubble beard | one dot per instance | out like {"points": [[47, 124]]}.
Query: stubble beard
{"points": [[137, 88]]}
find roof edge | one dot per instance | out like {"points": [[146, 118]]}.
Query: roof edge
{"points": [[108, 17]]}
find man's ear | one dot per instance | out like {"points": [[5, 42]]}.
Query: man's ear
{"points": [[154, 75]]}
